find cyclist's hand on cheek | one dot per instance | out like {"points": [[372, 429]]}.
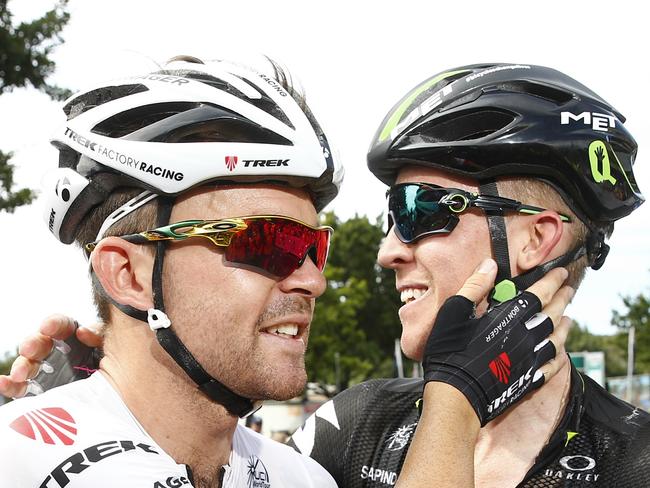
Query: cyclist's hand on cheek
{"points": [[497, 358], [59, 340]]}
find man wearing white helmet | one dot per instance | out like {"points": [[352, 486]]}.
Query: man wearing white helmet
{"points": [[194, 191]]}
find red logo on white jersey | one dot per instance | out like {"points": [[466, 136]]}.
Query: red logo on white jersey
{"points": [[48, 425], [231, 162]]}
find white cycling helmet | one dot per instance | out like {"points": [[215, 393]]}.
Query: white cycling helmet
{"points": [[186, 125]]}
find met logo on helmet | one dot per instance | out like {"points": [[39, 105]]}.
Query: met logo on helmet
{"points": [[424, 108], [598, 121], [395, 122]]}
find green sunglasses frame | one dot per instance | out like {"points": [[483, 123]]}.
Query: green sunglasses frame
{"points": [[457, 201]]}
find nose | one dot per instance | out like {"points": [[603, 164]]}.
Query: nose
{"points": [[307, 280], [393, 252]]}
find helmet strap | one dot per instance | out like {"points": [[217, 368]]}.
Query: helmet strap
{"points": [[160, 323], [499, 241], [526, 279], [169, 341]]}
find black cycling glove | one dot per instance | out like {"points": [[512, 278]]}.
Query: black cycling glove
{"points": [[493, 360]]}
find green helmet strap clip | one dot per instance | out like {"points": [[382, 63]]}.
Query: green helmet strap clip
{"points": [[503, 291]]}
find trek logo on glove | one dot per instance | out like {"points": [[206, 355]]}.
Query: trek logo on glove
{"points": [[500, 367], [511, 394], [481, 356]]}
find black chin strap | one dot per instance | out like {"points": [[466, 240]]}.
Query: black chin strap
{"points": [[526, 279], [167, 338], [504, 288], [169, 341]]}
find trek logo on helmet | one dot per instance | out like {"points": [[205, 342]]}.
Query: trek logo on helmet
{"points": [[112, 155], [597, 120], [52, 219], [231, 162], [268, 163]]}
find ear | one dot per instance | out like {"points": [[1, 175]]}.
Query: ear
{"points": [[536, 239], [124, 271]]}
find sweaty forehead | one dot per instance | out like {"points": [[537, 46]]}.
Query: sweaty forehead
{"points": [[234, 201]]}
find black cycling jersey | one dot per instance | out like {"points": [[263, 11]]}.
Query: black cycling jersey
{"points": [[361, 437]]}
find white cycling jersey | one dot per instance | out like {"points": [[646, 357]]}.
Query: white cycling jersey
{"points": [[83, 435]]}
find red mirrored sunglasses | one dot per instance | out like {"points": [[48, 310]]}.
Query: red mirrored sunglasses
{"points": [[276, 244]]}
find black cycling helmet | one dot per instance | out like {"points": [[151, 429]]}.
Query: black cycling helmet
{"points": [[486, 121], [489, 120]]}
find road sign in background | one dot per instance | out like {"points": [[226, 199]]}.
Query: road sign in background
{"points": [[591, 363]]}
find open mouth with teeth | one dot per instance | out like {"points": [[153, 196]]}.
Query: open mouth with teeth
{"points": [[288, 331], [408, 295]]}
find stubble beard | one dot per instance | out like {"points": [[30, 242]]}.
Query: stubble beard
{"points": [[271, 380], [243, 366]]}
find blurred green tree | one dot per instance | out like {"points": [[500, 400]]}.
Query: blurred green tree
{"points": [[25, 51], [637, 315], [355, 323]]}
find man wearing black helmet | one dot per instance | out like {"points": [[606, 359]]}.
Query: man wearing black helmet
{"points": [[550, 165], [525, 165]]}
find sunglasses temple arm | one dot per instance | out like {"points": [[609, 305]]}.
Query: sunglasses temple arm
{"points": [[140, 239], [487, 202]]}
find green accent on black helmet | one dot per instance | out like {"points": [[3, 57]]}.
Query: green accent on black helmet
{"points": [[490, 121]]}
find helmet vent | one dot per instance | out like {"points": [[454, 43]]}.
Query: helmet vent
{"points": [[546, 92], [227, 131], [95, 98], [129, 121], [466, 126], [186, 122], [264, 103], [267, 104]]}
